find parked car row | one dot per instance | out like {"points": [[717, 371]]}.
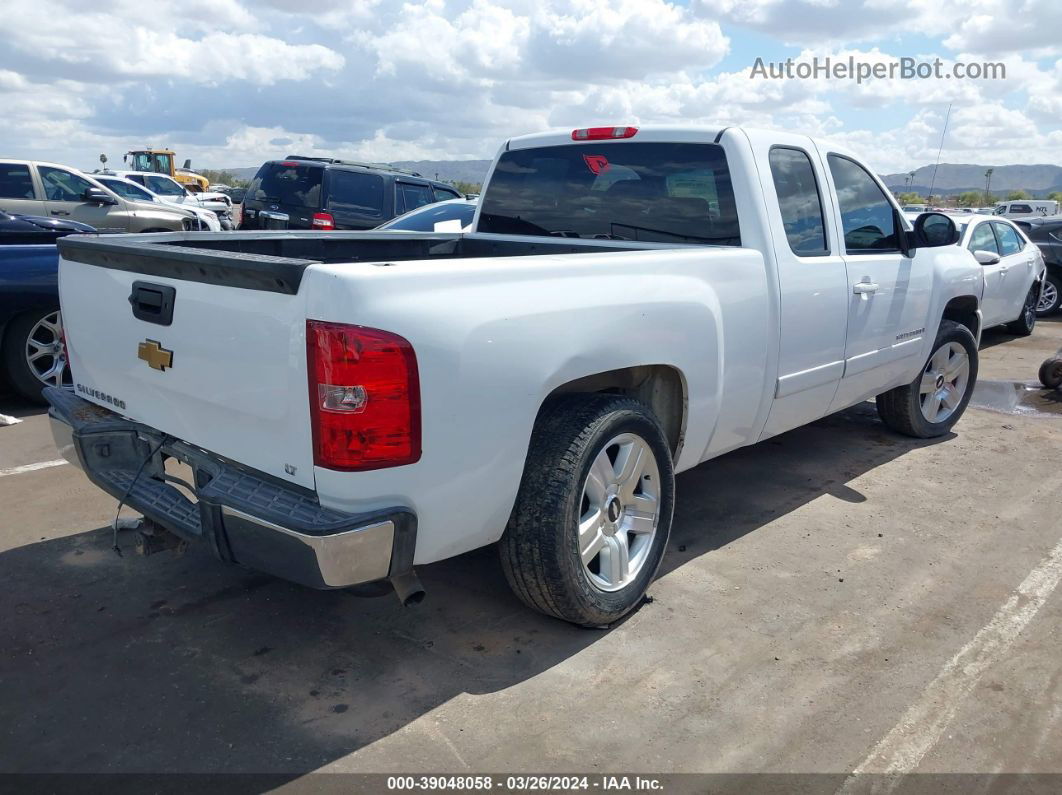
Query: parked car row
{"points": [[47, 189]]}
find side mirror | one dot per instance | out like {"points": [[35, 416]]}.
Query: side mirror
{"points": [[986, 257], [98, 196], [935, 229]]}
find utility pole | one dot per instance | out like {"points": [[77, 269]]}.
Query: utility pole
{"points": [[988, 187]]}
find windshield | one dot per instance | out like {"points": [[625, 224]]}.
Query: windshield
{"points": [[127, 190], [287, 183], [675, 193], [424, 219], [164, 186]]}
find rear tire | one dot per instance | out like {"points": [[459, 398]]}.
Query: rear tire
{"points": [[1051, 297], [931, 404], [34, 353], [1026, 321], [593, 513]]}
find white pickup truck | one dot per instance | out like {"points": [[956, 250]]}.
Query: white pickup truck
{"points": [[631, 302]]}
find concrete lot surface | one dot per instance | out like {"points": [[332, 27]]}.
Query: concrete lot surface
{"points": [[839, 598]]}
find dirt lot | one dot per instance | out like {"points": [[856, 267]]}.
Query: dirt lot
{"points": [[837, 598]]}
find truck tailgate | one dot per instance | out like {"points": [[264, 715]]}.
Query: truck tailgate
{"points": [[227, 374]]}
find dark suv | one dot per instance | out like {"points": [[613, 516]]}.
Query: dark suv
{"points": [[1047, 234], [325, 193]]}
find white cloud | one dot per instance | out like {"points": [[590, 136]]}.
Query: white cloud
{"points": [[229, 83]]}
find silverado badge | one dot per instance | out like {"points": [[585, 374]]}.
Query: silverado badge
{"points": [[157, 357]]}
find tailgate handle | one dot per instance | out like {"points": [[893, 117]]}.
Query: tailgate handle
{"points": [[153, 303]]}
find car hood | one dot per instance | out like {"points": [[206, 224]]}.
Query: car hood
{"points": [[56, 224]]}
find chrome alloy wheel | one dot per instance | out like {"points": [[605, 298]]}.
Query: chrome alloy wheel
{"points": [[46, 351], [619, 513], [944, 382], [1048, 297]]}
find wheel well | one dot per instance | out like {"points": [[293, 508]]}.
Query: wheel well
{"points": [[658, 386], [963, 310]]}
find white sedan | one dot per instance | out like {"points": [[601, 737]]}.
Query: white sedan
{"points": [[128, 189], [1013, 269]]}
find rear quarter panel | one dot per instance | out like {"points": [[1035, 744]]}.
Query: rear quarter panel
{"points": [[494, 337]]}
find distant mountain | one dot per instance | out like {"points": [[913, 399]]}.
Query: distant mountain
{"points": [[445, 170], [951, 179]]}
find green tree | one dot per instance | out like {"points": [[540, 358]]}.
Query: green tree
{"points": [[223, 178], [1056, 196], [1018, 195], [908, 197], [467, 187], [971, 198]]}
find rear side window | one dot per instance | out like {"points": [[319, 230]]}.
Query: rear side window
{"points": [[355, 192], [287, 183], [409, 196], [660, 192], [1009, 242], [1020, 208], [15, 182], [799, 201], [867, 217], [983, 239]]}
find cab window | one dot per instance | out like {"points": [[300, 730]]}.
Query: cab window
{"points": [[61, 185], [799, 201], [867, 217]]}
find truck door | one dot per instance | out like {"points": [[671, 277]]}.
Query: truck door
{"points": [[812, 281], [889, 294]]}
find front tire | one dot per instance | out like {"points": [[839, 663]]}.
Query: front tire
{"points": [[593, 513], [1026, 321], [931, 404]]}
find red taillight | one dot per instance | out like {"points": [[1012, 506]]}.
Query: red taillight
{"points": [[323, 221], [601, 133], [364, 397]]}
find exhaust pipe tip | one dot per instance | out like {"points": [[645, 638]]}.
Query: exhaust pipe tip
{"points": [[408, 588]]}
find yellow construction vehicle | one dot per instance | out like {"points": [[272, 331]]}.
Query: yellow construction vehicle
{"points": [[160, 161]]}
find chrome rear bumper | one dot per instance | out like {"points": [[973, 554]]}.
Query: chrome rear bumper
{"points": [[246, 517]]}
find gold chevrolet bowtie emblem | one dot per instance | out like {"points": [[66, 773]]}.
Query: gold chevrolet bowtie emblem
{"points": [[157, 357]]}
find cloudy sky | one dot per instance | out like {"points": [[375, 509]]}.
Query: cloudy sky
{"points": [[235, 82]]}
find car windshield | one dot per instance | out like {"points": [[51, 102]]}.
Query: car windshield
{"points": [[677, 193], [164, 186], [127, 190], [424, 219], [287, 183]]}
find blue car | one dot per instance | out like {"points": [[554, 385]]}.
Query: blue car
{"points": [[32, 346]]}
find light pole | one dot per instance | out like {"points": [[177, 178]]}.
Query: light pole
{"points": [[988, 186]]}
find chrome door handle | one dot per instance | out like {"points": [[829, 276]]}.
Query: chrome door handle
{"points": [[863, 288], [60, 212]]}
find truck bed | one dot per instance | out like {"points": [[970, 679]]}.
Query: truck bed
{"points": [[275, 261]]}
